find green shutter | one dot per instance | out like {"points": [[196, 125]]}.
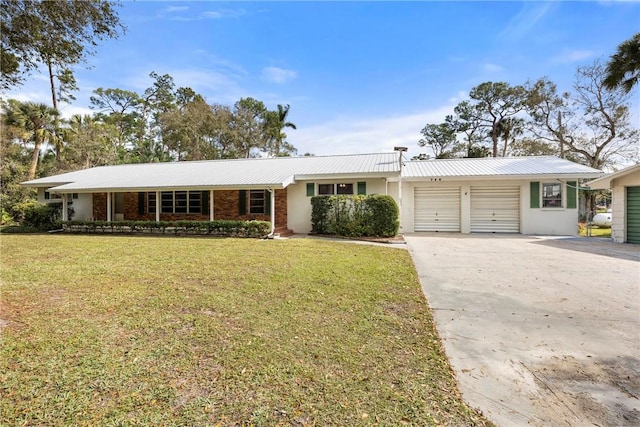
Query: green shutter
{"points": [[535, 195], [204, 199], [141, 203], [633, 215], [242, 202], [362, 188], [267, 202], [47, 195], [572, 192], [311, 189]]}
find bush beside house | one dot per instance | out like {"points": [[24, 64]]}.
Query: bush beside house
{"points": [[376, 215]]}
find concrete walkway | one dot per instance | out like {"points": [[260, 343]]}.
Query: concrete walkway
{"points": [[539, 331]]}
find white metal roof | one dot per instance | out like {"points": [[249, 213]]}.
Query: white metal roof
{"points": [[280, 172], [605, 181], [276, 172], [496, 167]]}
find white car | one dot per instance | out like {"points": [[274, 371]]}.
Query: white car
{"points": [[603, 220]]}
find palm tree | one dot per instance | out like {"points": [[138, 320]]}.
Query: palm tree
{"points": [[623, 69], [38, 122], [277, 122]]}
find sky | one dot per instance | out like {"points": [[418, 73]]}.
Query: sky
{"points": [[359, 76]]}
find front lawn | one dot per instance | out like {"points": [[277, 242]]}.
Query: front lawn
{"points": [[113, 330]]}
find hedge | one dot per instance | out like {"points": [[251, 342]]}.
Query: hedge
{"points": [[218, 228], [376, 215]]}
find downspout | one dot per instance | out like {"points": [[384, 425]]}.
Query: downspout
{"points": [[158, 204], [272, 195], [108, 206]]}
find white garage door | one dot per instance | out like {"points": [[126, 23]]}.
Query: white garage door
{"points": [[436, 209], [495, 209]]}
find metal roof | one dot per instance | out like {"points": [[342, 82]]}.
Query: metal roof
{"points": [[496, 167], [276, 172], [605, 181], [280, 172]]}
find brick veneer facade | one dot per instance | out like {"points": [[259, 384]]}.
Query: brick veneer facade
{"points": [[226, 206]]}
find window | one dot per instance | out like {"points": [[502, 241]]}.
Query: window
{"points": [[344, 189], [329, 189], [257, 203], [325, 189], [552, 195], [58, 196], [176, 202]]}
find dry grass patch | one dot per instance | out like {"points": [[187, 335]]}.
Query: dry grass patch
{"points": [[175, 331]]}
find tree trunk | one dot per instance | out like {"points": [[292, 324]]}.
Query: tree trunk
{"points": [[34, 161]]}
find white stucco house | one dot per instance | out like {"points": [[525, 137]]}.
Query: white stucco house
{"points": [[625, 202], [528, 195]]}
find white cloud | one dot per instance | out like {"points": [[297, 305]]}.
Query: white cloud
{"points": [[212, 14], [492, 68], [526, 20], [347, 135], [278, 75], [172, 9], [570, 56]]}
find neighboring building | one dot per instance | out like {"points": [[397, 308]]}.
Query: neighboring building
{"points": [[529, 195], [625, 203]]}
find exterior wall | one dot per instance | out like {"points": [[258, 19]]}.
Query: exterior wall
{"points": [[226, 206], [618, 205], [543, 221], [299, 207], [82, 205]]}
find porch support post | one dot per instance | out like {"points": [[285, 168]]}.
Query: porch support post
{"points": [[65, 209], [211, 206], [272, 194], [158, 204], [109, 195]]}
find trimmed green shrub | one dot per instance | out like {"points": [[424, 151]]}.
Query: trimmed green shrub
{"points": [[383, 214], [355, 216], [218, 228], [39, 216]]}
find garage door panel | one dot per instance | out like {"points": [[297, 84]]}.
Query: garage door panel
{"points": [[495, 209], [437, 209]]}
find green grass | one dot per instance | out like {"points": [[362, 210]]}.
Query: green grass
{"points": [[104, 330]]}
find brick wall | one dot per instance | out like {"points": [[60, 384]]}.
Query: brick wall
{"points": [[226, 206]]}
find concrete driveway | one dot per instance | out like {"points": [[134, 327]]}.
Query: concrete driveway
{"points": [[540, 331]]}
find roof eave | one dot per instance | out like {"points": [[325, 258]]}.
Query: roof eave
{"points": [[62, 189], [530, 177]]}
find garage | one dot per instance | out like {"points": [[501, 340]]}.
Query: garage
{"points": [[437, 209], [633, 214], [495, 209]]}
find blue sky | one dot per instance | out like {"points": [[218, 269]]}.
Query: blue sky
{"points": [[359, 76]]}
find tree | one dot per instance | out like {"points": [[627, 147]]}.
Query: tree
{"points": [[623, 69], [592, 124], [119, 108], [36, 123], [90, 142], [249, 127], [441, 138], [189, 131], [491, 103], [55, 34], [276, 122]]}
